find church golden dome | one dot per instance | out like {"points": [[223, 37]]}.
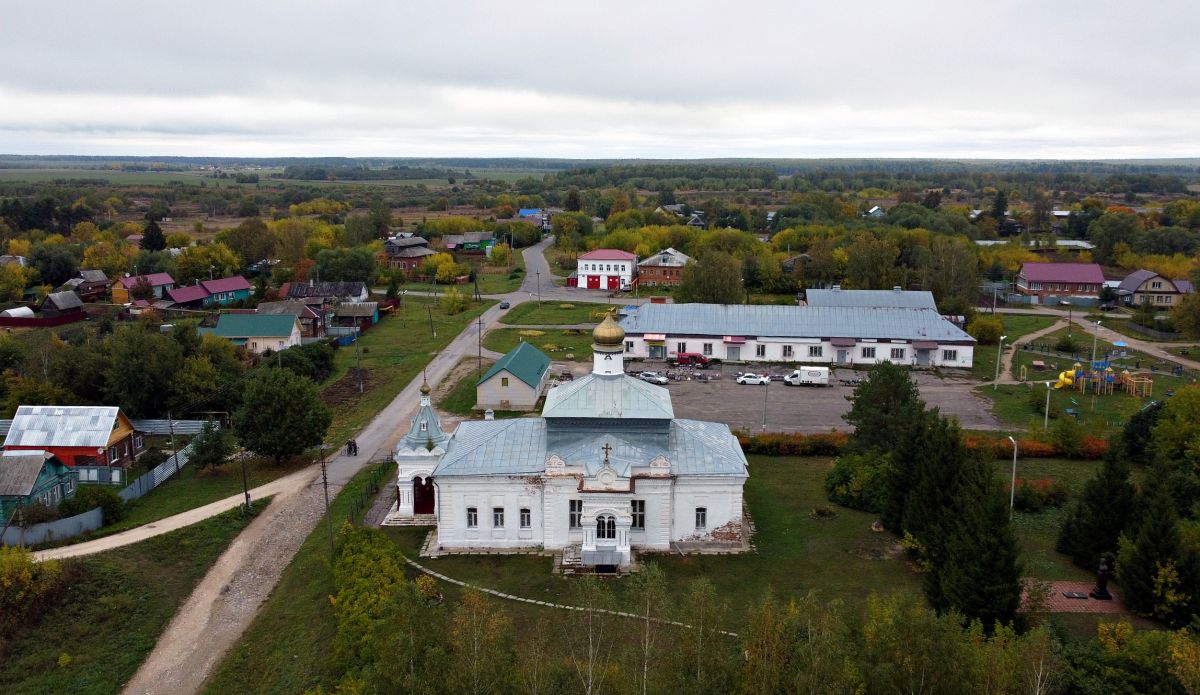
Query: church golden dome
{"points": [[608, 333], [425, 389]]}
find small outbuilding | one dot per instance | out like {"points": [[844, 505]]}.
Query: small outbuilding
{"points": [[515, 382], [61, 304]]}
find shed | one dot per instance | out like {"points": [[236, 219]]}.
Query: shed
{"points": [[515, 382], [61, 303], [31, 477], [360, 314], [18, 311]]}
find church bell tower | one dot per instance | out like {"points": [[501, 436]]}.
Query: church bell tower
{"points": [[608, 348]]}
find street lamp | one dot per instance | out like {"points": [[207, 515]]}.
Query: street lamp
{"points": [[1094, 336], [766, 390], [1012, 493], [999, 353], [1046, 417], [1070, 318], [538, 274]]}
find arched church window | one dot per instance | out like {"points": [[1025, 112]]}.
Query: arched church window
{"points": [[606, 527]]}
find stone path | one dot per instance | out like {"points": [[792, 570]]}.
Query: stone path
{"points": [[1057, 602]]}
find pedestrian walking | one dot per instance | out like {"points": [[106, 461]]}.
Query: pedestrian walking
{"points": [[349, 447]]}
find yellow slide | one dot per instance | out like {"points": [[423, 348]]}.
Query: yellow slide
{"points": [[1065, 379]]}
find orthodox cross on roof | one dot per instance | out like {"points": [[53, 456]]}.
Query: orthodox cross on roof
{"points": [[607, 448]]}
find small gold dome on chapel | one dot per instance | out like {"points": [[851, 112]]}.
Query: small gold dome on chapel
{"points": [[608, 333]]}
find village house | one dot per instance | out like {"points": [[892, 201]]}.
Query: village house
{"points": [[98, 442], [407, 253], [1038, 281], [328, 292], [662, 269], [361, 315], [209, 293], [62, 304], [469, 242], [515, 382], [258, 332], [32, 477], [605, 470], [607, 269], [1142, 285], [158, 283], [842, 335], [312, 319], [91, 285]]}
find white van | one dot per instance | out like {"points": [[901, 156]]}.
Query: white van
{"points": [[810, 376]]}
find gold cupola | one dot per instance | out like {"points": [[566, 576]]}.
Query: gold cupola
{"points": [[608, 333]]}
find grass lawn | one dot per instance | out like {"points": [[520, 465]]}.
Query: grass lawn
{"points": [[554, 255], [461, 399], [393, 353], [287, 649], [492, 280], [555, 313], [1010, 403], [114, 611], [557, 344], [1015, 326], [1191, 351], [191, 488]]}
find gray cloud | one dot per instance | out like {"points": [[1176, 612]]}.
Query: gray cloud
{"points": [[622, 78]]}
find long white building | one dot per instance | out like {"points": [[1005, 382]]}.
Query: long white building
{"points": [[798, 334]]}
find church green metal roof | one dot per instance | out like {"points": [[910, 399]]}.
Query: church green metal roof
{"points": [[521, 447], [617, 396], [525, 362]]}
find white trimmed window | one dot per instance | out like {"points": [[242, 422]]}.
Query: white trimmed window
{"points": [[897, 353], [816, 350], [949, 355], [575, 514], [760, 350], [701, 518], [526, 518], [472, 517], [706, 348], [868, 353], [787, 351], [638, 509], [680, 347], [497, 517]]}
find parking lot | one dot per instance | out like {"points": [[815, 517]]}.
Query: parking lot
{"points": [[807, 408]]}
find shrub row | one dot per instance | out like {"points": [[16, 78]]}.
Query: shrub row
{"points": [[831, 444]]}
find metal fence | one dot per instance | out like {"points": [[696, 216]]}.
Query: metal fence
{"points": [[157, 475]]}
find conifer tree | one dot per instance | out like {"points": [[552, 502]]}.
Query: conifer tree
{"points": [[902, 471], [1097, 518], [153, 238], [979, 576], [884, 407]]}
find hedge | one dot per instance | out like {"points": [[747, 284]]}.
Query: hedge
{"points": [[831, 444]]}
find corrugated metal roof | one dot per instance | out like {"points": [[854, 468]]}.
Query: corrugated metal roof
{"points": [[1135, 279], [63, 300], [608, 255], [254, 325], [899, 299], [668, 257], [791, 322], [229, 284], [618, 396], [153, 279], [188, 293], [19, 472], [525, 362], [356, 309], [62, 425], [522, 446], [1062, 272]]}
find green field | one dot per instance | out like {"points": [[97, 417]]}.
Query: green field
{"points": [[1015, 325], [555, 313], [119, 602], [287, 649], [492, 280], [118, 178], [1099, 415], [553, 255], [393, 353], [461, 399], [557, 344]]}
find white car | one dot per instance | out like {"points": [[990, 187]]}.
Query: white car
{"points": [[653, 378], [753, 379]]}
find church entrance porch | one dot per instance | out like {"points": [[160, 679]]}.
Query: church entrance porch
{"points": [[423, 496]]}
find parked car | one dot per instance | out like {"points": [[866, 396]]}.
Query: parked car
{"points": [[753, 379], [504, 304], [810, 376], [694, 359], [653, 378]]}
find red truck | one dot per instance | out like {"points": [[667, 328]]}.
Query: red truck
{"points": [[691, 359]]}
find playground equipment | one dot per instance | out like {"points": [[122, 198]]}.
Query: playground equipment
{"points": [[1067, 378], [1138, 384]]}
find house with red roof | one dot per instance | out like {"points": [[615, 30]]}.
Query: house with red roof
{"points": [[607, 269], [1041, 280], [207, 293], [159, 284]]}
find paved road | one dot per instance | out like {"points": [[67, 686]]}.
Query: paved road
{"points": [[231, 593]]}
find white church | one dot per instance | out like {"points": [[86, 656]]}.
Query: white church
{"points": [[607, 468]]}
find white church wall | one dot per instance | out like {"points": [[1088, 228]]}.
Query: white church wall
{"points": [[720, 497], [657, 495], [485, 494]]}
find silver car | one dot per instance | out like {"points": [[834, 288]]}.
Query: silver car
{"points": [[653, 378]]}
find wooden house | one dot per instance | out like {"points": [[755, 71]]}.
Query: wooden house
{"points": [[258, 332], [32, 477], [159, 284], [312, 317], [82, 437], [360, 314], [62, 304]]}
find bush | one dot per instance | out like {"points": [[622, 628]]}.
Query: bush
{"points": [[38, 513], [781, 444], [26, 588], [859, 481], [1067, 436], [151, 458], [1037, 401], [986, 329], [1066, 343], [1036, 495], [91, 496]]}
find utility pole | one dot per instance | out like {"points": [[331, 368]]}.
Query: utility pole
{"points": [[358, 355], [432, 330], [328, 518], [174, 452], [538, 274]]}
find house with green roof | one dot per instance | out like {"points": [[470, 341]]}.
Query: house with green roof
{"points": [[515, 382], [259, 332]]}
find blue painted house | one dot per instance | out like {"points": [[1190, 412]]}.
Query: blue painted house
{"points": [[31, 477], [210, 293]]}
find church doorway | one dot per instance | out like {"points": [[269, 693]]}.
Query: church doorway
{"points": [[422, 496]]}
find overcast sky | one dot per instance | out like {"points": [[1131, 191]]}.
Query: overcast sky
{"points": [[1037, 78]]}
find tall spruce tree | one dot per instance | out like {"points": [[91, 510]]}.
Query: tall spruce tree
{"points": [[979, 575], [902, 472], [1094, 524], [1152, 551], [884, 408], [153, 238]]}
